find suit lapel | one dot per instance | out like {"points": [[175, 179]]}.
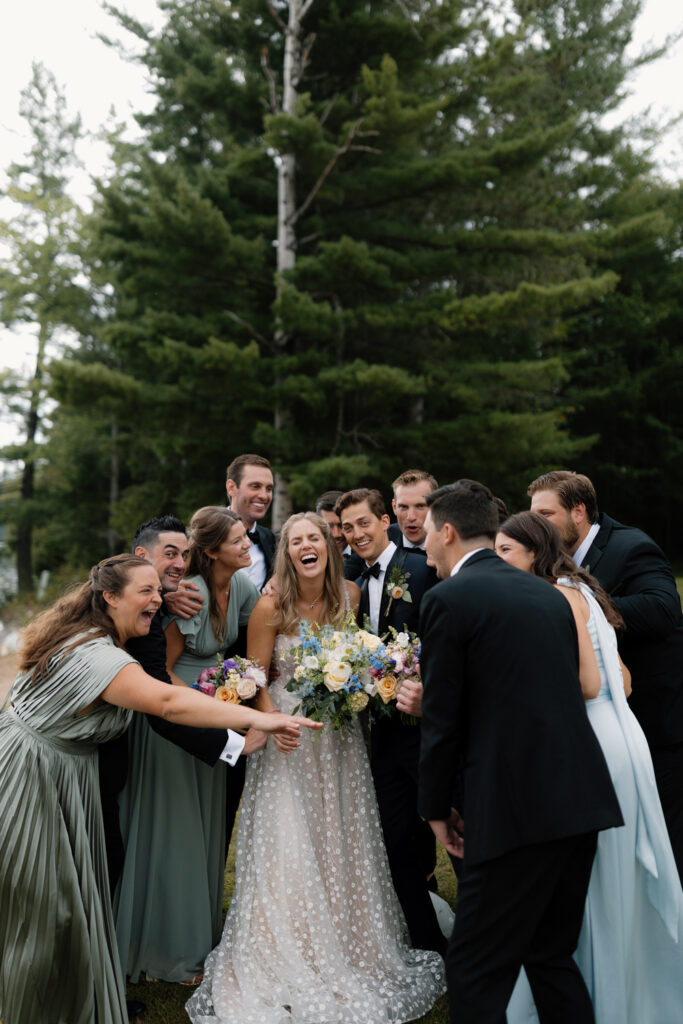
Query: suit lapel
{"points": [[597, 548], [397, 561]]}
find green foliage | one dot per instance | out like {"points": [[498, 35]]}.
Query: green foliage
{"points": [[465, 294]]}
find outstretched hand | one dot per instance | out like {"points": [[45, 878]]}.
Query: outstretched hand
{"points": [[286, 729]]}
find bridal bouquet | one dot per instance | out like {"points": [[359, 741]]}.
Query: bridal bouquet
{"points": [[233, 680], [339, 672]]}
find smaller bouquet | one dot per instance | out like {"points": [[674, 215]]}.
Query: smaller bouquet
{"points": [[233, 680], [338, 671], [404, 651]]}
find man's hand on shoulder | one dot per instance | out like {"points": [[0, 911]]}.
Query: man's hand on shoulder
{"points": [[184, 602]]}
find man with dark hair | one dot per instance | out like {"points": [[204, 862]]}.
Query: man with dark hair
{"points": [[249, 486], [410, 508], [536, 786], [325, 506], [637, 576], [395, 744]]}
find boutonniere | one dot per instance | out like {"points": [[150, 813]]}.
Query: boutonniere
{"points": [[397, 587]]}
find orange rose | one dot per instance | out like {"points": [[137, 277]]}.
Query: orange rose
{"points": [[227, 694], [386, 688]]}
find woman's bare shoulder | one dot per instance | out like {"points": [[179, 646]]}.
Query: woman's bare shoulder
{"points": [[575, 598]]}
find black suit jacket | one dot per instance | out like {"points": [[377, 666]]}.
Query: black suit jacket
{"points": [[502, 702], [637, 576]]}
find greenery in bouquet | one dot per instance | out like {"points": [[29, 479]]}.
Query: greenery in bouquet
{"points": [[234, 680], [339, 672]]}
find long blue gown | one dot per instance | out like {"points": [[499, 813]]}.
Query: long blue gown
{"points": [[630, 949]]}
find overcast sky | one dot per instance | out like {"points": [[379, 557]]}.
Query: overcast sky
{"points": [[95, 78]]}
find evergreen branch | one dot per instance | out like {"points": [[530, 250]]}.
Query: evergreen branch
{"points": [[247, 326], [353, 131], [309, 43], [402, 6], [272, 80], [277, 17], [328, 109]]}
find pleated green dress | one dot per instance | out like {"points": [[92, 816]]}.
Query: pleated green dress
{"points": [[168, 905], [58, 957]]}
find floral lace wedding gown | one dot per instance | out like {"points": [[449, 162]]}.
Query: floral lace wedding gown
{"points": [[314, 932]]}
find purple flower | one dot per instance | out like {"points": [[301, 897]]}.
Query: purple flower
{"points": [[229, 665]]}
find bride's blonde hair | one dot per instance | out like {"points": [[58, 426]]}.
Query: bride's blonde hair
{"points": [[334, 584]]}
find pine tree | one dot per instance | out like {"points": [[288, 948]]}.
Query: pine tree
{"points": [[39, 280], [450, 181]]}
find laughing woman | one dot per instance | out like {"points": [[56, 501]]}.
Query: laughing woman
{"points": [[58, 958], [173, 809]]}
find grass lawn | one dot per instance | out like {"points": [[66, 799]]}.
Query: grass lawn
{"points": [[166, 1002]]}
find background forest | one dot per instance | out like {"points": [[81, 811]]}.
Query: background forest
{"points": [[353, 236]]}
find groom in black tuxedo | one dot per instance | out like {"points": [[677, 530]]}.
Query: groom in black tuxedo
{"points": [[395, 744], [637, 576], [502, 702], [249, 486]]}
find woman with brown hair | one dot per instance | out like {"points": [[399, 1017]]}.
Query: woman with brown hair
{"points": [[630, 949], [314, 931], [58, 953], [173, 808]]}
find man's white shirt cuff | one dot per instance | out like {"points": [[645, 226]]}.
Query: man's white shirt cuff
{"points": [[233, 748]]}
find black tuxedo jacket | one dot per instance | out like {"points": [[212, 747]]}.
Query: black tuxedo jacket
{"points": [[637, 576], [502, 702]]}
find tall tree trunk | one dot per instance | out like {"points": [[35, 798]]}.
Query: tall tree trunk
{"points": [[286, 220], [25, 525], [112, 537]]}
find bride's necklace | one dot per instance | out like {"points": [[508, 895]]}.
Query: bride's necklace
{"points": [[318, 598]]}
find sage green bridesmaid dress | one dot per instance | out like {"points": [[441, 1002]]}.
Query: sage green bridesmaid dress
{"points": [[58, 956], [169, 901]]}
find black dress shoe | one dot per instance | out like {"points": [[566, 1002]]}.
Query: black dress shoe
{"points": [[135, 1008]]}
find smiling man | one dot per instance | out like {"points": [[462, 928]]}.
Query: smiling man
{"points": [[249, 486], [395, 744]]}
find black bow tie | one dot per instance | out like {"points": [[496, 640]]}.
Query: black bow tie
{"points": [[371, 570], [253, 536], [418, 551]]}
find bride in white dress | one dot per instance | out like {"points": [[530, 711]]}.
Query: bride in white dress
{"points": [[314, 932]]}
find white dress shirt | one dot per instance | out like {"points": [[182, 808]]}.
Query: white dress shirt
{"points": [[257, 570], [584, 547], [376, 584], [458, 565]]}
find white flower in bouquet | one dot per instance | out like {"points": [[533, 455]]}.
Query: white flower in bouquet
{"points": [[337, 674], [246, 688]]}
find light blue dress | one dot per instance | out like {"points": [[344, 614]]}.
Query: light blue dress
{"points": [[630, 949], [168, 905]]}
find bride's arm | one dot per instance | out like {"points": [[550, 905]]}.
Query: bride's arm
{"points": [[260, 643]]}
